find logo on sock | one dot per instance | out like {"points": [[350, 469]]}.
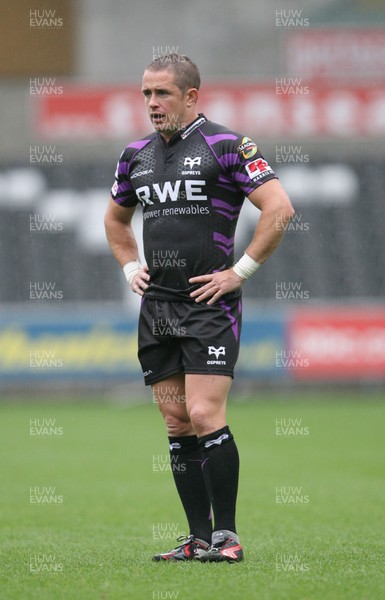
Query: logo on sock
{"points": [[175, 446], [218, 441]]}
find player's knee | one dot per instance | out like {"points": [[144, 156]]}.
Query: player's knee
{"points": [[200, 417], [177, 426]]}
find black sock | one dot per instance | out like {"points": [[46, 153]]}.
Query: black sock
{"points": [[186, 465], [221, 473]]}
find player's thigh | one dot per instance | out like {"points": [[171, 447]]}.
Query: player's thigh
{"points": [[160, 356], [170, 396], [206, 398]]}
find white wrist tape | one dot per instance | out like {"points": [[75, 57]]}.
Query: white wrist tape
{"points": [[246, 266], [131, 269]]}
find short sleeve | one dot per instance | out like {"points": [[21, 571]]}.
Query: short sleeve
{"points": [[122, 191], [249, 170]]}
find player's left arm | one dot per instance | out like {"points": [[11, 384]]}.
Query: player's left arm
{"points": [[276, 212]]}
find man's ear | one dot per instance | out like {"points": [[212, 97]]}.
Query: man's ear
{"points": [[191, 97]]}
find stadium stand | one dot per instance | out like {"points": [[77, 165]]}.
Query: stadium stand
{"points": [[54, 233]]}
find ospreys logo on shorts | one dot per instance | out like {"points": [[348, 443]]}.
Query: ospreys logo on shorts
{"points": [[217, 353]]}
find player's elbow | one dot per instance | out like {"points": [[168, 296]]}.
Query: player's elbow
{"points": [[283, 208], [287, 211]]}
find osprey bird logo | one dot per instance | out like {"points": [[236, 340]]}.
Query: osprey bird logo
{"points": [[191, 162], [217, 351]]}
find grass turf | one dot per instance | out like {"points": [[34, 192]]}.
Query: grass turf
{"points": [[320, 537]]}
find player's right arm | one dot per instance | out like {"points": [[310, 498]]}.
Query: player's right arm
{"points": [[121, 238]]}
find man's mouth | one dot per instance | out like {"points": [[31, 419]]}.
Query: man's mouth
{"points": [[157, 117]]}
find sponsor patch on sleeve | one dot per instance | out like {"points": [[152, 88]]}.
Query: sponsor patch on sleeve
{"points": [[258, 168], [247, 148], [114, 188]]}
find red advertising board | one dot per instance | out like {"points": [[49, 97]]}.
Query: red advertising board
{"points": [[285, 107], [86, 112], [338, 343], [349, 54]]}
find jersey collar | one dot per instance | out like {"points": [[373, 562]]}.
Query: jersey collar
{"points": [[186, 131]]}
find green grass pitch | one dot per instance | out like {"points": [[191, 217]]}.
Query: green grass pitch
{"points": [[83, 509]]}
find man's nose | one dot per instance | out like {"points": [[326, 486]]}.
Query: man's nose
{"points": [[153, 101]]}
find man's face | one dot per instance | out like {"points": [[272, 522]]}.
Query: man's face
{"points": [[165, 102]]}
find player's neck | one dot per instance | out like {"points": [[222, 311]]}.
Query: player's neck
{"points": [[167, 135]]}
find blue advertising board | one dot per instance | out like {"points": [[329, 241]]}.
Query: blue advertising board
{"points": [[70, 345]]}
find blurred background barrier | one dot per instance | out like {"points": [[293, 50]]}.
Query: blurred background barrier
{"points": [[287, 106], [332, 343], [306, 82]]}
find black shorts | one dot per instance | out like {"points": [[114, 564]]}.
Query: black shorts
{"points": [[188, 337]]}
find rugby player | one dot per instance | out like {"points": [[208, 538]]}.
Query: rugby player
{"points": [[191, 177]]}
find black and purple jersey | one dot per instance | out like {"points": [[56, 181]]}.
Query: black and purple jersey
{"points": [[191, 190]]}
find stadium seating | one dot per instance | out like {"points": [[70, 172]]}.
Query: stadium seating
{"points": [[334, 248]]}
